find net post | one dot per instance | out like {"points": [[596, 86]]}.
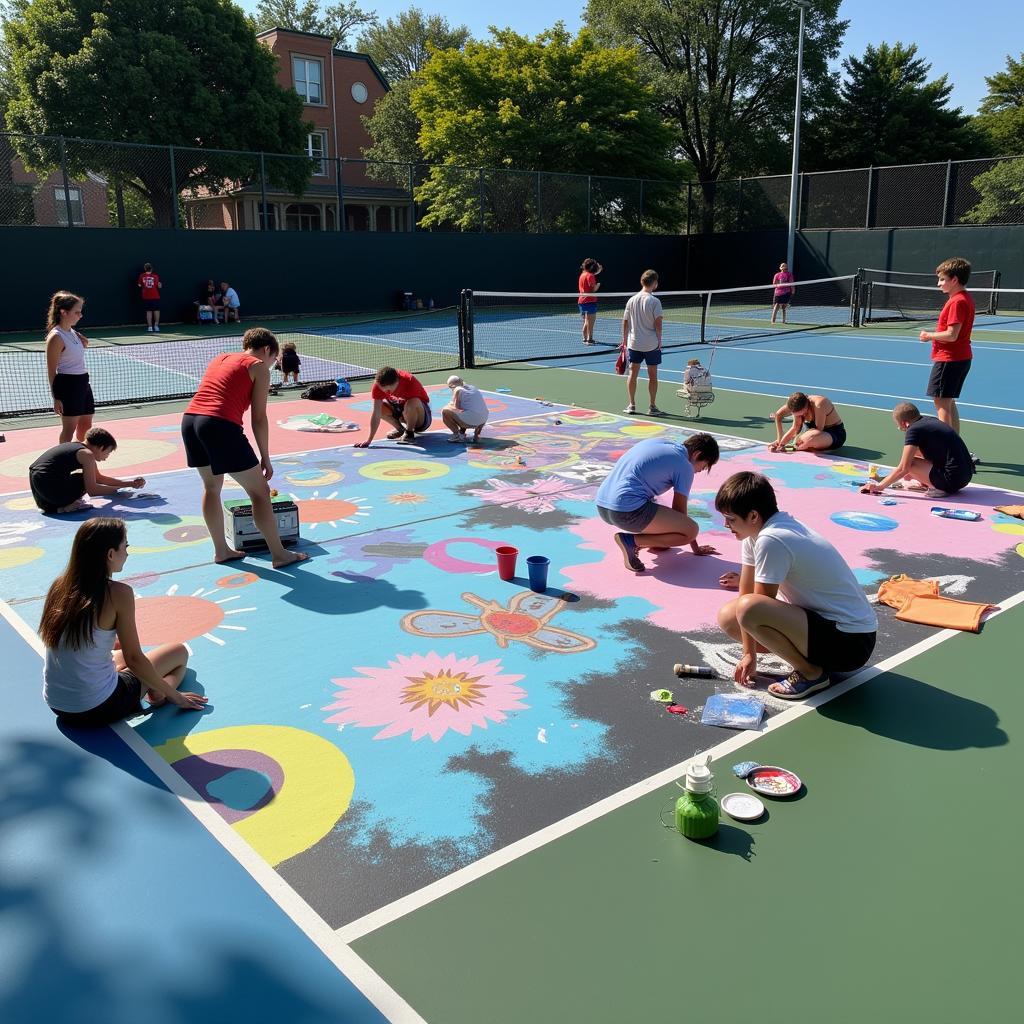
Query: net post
{"points": [[855, 302], [704, 306], [468, 353], [993, 302]]}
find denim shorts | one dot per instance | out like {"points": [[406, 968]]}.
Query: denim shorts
{"points": [[634, 521]]}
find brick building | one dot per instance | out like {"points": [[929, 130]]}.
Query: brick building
{"points": [[338, 88]]}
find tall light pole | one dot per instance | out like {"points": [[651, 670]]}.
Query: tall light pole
{"points": [[794, 197]]}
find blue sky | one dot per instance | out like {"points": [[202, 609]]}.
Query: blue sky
{"points": [[958, 40]]}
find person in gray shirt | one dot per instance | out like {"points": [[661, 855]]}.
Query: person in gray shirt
{"points": [[641, 334]]}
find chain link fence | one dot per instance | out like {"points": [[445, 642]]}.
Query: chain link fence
{"points": [[63, 182]]}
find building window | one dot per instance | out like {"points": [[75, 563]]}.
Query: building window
{"points": [[267, 216], [359, 92], [308, 76], [77, 209], [316, 147], [302, 217]]}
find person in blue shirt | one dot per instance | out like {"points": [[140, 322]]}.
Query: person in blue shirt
{"points": [[626, 498]]}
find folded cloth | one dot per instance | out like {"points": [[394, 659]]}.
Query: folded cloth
{"points": [[1011, 510], [944, 612], [898, 590]]}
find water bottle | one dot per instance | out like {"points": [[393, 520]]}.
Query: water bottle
{"points": [[956, 513], [697, 809]]}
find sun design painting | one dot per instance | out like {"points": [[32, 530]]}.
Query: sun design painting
{"points": [[526, 620], [178, 618], [330, 510], [426, 695]]}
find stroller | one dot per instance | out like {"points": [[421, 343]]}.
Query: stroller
{"points": [[696, 390]]}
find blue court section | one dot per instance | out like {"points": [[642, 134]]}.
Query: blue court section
{"points": [[859, 367], [117, 906]]}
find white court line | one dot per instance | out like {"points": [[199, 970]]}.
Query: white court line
{"points": [[318, 931], [664, 373], [501, 858]]}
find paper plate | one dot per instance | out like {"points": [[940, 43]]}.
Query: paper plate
{"points": [[742, 806], [771, 780]]}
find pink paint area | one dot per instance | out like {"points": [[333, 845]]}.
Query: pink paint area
{"points": [[684, 588]]}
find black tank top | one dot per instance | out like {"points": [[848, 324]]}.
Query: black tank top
{"points": [[61, 460]]}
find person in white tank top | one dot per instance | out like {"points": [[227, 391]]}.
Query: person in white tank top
{"points": [[467, 410], [73, 400], [86, 681]]}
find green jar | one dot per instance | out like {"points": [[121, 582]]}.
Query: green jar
{"points": [[697, 809]]}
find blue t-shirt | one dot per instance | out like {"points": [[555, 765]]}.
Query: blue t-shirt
{"points": [[648, 469]]}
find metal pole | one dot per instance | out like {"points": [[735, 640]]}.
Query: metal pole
{"points": [[590, 200], [480, 189], [263, 195], [689, 205], [340, 189], [412, 197], [174, 190], [947, 193], [540, 220], [867, 208], [67, 184], [794, 181], [641, 206]]}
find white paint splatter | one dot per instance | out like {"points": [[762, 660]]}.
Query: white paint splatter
{"points": [[954, 584], [302, 707], [542, 735]]}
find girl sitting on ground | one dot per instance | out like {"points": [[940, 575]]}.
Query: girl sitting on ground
{"points": [[86, 682], [288, 362]]}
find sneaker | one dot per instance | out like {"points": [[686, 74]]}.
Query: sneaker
{"points": [[934, 492], [796, 687], [655, 411], [630, 409], [975, 461], [149, 330], [407, 439], [156, 328], [627, 545]]}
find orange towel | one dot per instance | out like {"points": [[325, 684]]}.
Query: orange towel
{"points": [[1011, 510], [898, 590], [944, 612]]}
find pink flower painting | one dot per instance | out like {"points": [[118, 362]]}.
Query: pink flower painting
{"points": [[426, 695], [539, 496]]}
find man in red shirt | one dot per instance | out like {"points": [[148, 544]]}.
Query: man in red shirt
{"points": [[401, 400], [951, 342], [149, 284]]}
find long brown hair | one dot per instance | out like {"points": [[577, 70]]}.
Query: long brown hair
{"points": [[76, 597], [60, 301]]}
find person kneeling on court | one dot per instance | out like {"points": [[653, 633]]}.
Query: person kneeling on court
{"points": [[934, 456], [86, 682], [466, 411], [626, 497], [798, 599], [400, 400], [64, 473], [817, 427]]}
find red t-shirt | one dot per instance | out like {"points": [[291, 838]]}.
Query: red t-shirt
{"points": [[588, 285], [959, 309], [226, 388], [407, 387], [150, 285]]}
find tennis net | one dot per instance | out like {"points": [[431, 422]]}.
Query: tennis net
{"points": [[132, 371], [983, 279], [882, 302], [502, 327]]}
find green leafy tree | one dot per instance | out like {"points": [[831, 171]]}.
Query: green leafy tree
{"points": [[888, 112], [401, 46], [336, 20], [194, 77], [394, 127], [724, 72], [1001, 189], [1001, 115], [552, 103]]}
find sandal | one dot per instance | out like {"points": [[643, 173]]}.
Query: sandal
{"points": [[795, 686], [395, 434], [407, 439]]}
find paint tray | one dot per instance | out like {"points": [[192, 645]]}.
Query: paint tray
{"points": [[733, 711]]}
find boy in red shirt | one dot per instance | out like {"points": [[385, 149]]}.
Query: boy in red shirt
{"points": [[951, 342], [149, 284], [401, 400]]}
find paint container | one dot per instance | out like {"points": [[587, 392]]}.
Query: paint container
{"points": [[956, 513], [507, 562], [697, 809], [694, 670], [537, 567]]}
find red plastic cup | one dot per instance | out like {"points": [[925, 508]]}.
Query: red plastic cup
{"points": [[507, 562]]}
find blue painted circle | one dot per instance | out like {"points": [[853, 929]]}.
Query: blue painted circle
{"points": [[870, 522]]}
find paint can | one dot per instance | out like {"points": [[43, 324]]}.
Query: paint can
{"points": [[694, 670]]}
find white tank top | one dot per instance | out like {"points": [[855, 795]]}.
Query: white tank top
{"points": [[72, 359], [80, 680]]}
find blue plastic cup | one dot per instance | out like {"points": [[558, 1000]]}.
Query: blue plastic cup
{"points": [[537, 567]]}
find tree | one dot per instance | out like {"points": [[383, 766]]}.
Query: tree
{"points": [[1001, 115], [401, 46], [889, 113], [195, 77], [336, 21], [724, 72], [394, 127], [553, 103]]}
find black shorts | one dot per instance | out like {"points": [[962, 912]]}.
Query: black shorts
{"points": [[829, 646], [783, 300], [124, 702], [51, 492], [950, 482], [947, 379], [217, 443], [398, 411], [74, 391], [634, 521], [151, 304], [838, 434]]}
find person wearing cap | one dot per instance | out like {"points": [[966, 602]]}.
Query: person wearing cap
{"points": [[467, 410]]}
